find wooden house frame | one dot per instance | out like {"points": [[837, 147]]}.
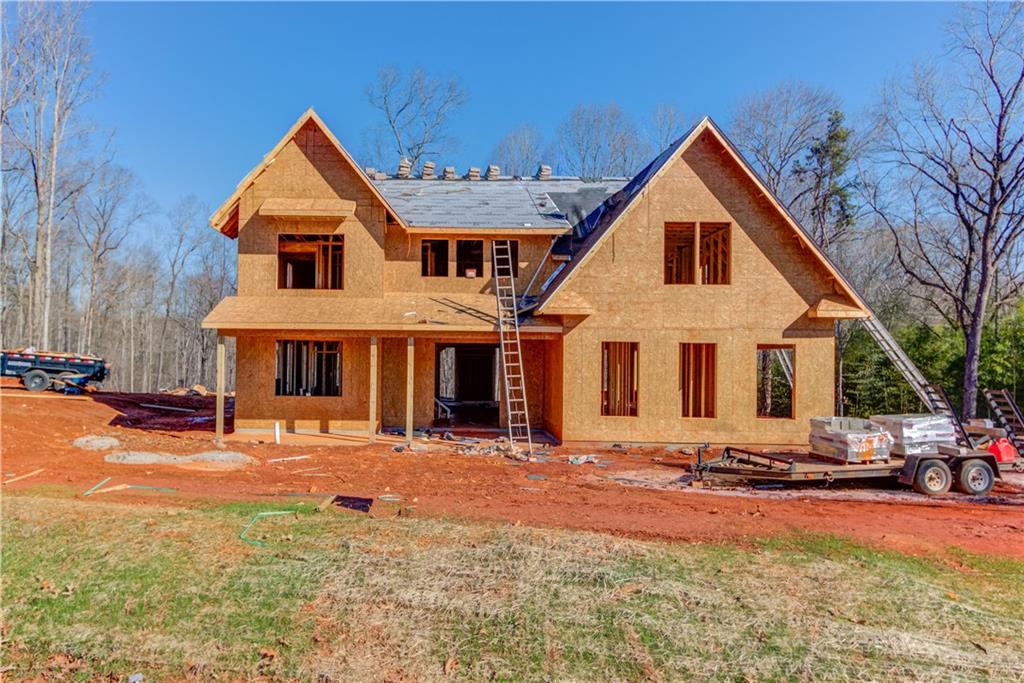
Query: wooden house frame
{"points": [[613, 344]]}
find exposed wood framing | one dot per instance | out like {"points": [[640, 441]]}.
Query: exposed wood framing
{"points": [[410, 354], [372, 427], [220, 387]]}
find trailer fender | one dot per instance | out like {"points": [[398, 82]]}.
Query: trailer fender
{"points": [[909, 470]]}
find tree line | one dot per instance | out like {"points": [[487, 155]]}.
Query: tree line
{"points": [[920, 201]]}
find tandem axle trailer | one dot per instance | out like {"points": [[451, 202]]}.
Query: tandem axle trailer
{"points": [[970, 471]]}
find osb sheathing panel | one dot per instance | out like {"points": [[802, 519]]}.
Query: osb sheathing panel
{"points": [[309, 167], [256, 406], [773, 283], [402, 266], [552, 397]]}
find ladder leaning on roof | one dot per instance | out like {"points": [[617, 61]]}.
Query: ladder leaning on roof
{"points": [[509, 348]]}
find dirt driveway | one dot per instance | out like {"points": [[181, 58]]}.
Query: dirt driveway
{"points": [[632, 492]]}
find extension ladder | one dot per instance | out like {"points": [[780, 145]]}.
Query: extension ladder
{"points": [[509, 348], [1007, 415], [933, 396]]}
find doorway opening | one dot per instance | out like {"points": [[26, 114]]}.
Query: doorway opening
{"points": [[466, 385]]}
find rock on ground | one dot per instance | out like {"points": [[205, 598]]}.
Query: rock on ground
{"points": [[92, 442]]}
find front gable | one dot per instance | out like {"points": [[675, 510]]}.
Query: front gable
{"points": [[775, 268], [307, 184]]}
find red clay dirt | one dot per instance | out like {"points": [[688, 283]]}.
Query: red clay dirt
{"points": [[38, 430]]}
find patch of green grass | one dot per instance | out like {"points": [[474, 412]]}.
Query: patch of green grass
{"points": [[169, 592]]}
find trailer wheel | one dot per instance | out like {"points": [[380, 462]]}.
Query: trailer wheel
{"points": [[975, 477], [35, 380], [933, 477]]}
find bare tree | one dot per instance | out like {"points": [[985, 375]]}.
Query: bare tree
{"points": [[186, 222], [775, 128], [667, 125], [953, 192], [416, 110], [103, 218], [56, 86], [597, 141], [519, 152]]}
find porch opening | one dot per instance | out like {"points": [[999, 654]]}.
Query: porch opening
{"points": [[466, 385]]}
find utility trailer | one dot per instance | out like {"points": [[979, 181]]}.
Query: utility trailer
{"points": [[41, 370], [969, 471]]}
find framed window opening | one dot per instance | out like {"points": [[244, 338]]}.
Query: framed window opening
{"points": [[434, 258], [697, 253], [469, 258], [619, 378], [697, 379], [714, 253], [310, 261], [513, 250], [679, 262], [307, 368], [776, 389]]}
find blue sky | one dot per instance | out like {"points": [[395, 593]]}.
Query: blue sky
{"points": [[197, 93]]}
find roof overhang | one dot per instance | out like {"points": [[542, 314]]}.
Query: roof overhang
{"points": [[835, 308], [520, 230], [307, 208], [296, 310], [225, 218]]}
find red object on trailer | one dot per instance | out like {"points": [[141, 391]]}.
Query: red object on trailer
{"points": [[1003, 450]]}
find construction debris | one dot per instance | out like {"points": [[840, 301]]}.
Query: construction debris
{"points": [[582, 459], [157, 406], [96, 487], [293, 457], [24, 476]]}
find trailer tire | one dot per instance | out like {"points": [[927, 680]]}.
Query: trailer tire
{"points": [[975, 477], [932, 478], [36, 380]]}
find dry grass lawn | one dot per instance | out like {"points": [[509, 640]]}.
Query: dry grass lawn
{"points": [[95, 588]]}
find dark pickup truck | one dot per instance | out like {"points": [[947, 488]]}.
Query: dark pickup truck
{"points": [[39, 370]]}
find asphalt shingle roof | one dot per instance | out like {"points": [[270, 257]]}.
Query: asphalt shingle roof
{"points": [[502, 203]]}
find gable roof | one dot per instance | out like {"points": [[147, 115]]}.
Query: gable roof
{"points": [[225, 219], [601, 222]]}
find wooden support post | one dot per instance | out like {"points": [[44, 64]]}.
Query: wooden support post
{"points": [[220, 387], [696, 254], [409, 381], [372, 429]]}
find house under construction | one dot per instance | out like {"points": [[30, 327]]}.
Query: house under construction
{"points": [[682, 305]]}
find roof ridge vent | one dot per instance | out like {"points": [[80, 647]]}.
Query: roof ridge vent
{"points": [[544, 172], [428, 171], [404, 168], [493, 172], [474, 173], [449, 173]]}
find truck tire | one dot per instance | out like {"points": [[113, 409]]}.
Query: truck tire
{"points": [[36, 380], [975, 477], [932, 478]]}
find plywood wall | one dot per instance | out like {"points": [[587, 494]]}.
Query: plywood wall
{"points": [[773, 283], [256, 406]]}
